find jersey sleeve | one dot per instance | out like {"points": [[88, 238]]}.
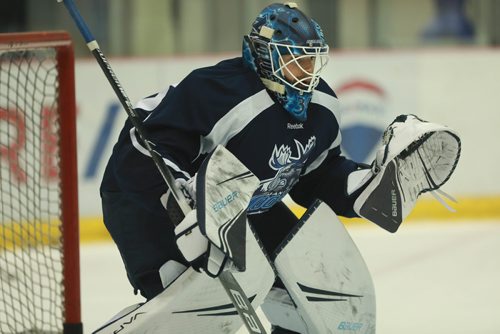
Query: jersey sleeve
{"points": [[174, 121], [328, 183]]}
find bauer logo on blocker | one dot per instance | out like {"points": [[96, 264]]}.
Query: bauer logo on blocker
{"points": [[221, 204]]}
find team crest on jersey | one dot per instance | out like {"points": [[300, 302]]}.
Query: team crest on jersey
{"points": [[288, 165]]}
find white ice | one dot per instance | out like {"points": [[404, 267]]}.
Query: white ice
{"points": [[430, 278]]}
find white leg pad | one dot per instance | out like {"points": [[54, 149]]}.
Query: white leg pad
{"points": [[196, 303], [170, 271], [326, 277], [281, 311]]}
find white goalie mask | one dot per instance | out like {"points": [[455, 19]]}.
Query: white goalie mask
{"points": [[299, 67]]}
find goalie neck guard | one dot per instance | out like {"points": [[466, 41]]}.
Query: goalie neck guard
{"points": [[285, 40]]}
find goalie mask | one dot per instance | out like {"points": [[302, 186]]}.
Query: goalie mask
{"points": [[288, 51]]}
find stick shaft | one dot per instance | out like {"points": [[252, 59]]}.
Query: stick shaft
{"points": [[231, 286], [125, 102]]}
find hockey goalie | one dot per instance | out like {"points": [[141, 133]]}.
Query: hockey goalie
{"points": [[239, 136]]}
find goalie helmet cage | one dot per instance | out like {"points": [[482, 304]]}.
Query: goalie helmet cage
{"points": [[39, 236]]}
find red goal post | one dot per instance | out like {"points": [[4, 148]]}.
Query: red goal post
{"points": [[39, 235]]}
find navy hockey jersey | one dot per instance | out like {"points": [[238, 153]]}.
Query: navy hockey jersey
{"points": [[227, 104]]}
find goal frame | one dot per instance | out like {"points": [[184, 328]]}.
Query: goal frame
{"points": [[61, 41]]}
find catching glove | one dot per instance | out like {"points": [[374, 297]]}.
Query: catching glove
{"points": [[416, 157]]}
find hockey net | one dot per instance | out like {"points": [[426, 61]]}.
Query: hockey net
{"points": [[39, 250]]}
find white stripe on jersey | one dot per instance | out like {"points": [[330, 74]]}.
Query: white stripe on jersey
{"points": [[235, 120], [150, 103], [328, 101], [332, 104], [140, 148]]}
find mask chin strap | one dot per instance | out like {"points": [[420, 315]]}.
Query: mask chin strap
{"points": [[276, 87]]}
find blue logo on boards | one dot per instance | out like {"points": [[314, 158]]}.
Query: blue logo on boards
{"points": [[364, 118]]}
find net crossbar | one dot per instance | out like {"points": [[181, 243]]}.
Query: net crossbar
{"points": [[39, 260]]}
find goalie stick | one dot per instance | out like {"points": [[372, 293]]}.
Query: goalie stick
{"points": [[231, 286]]}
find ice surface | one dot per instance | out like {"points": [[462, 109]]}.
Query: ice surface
{"points": [[430, 277]]}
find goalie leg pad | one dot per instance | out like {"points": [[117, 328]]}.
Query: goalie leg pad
{"points": [[281, 311], [196, 303], [325, 276]]}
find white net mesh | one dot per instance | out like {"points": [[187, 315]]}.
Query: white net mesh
{"points": [[30, 206]]}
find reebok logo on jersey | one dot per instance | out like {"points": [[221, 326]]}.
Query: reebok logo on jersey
{"points": [[296, 126]]}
